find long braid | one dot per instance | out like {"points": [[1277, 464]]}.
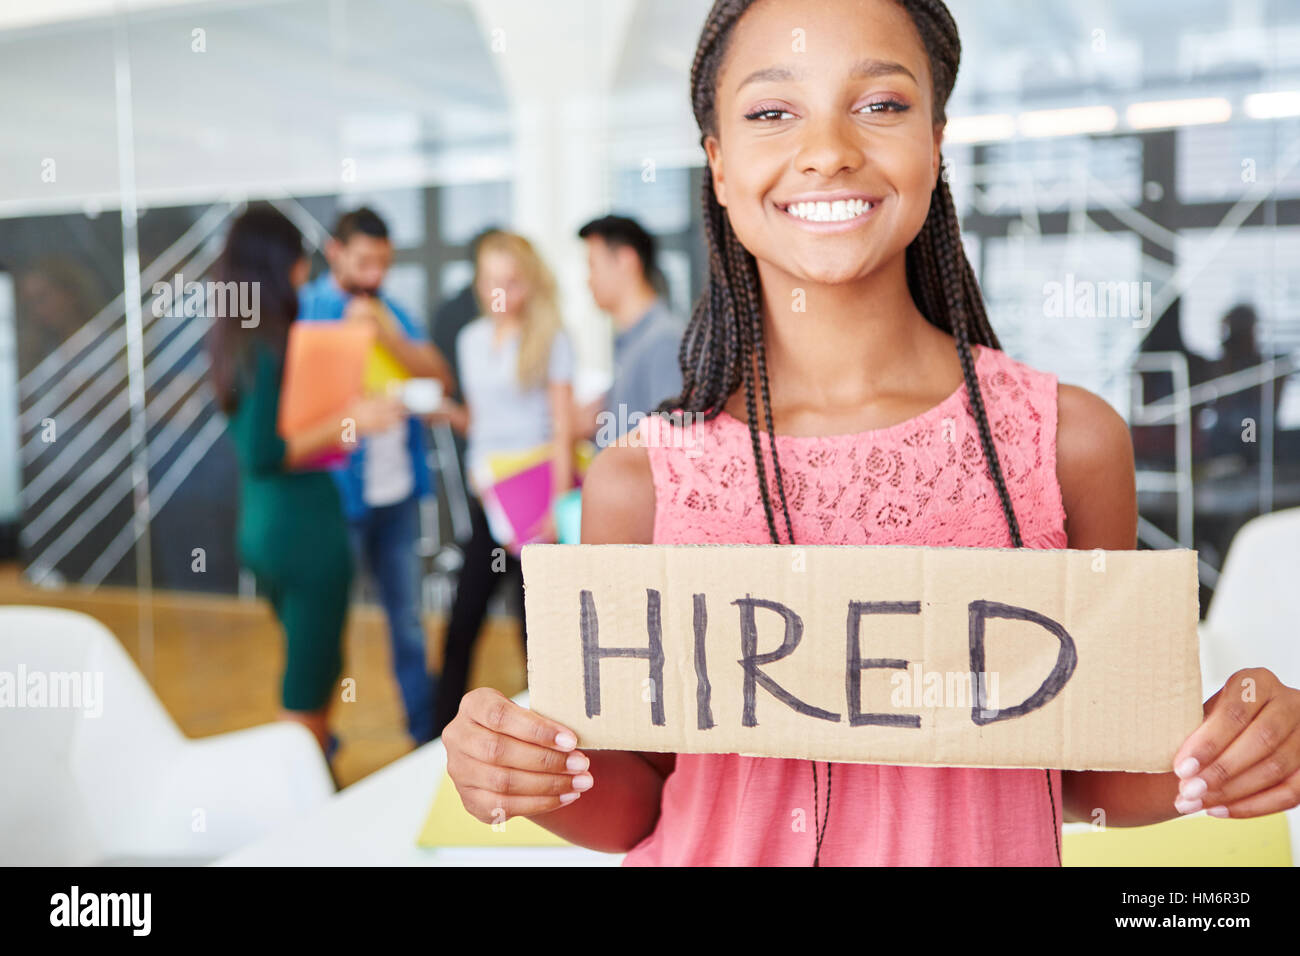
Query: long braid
{"points": [[938, 254], [723, 348]]}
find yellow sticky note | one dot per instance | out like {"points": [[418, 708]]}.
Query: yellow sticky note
{"points": [[1194, 841], [450, 824]]}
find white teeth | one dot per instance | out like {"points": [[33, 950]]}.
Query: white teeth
{"points": [[841, 210]]}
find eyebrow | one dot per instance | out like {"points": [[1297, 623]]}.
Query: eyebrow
{"points": [[867, 69]]}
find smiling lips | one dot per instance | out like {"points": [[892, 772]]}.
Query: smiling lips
{"points": [[842, 211]]}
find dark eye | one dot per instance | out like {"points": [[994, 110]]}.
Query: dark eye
{"points": [[885, 106], [767, 114]]}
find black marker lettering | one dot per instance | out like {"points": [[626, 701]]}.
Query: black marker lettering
{"points": [[753, 661], [703, 690], [592, 653], [1066, 660], [856, 664]]}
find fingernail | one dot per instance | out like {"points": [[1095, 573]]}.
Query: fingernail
{"points": [[1191, 789], [565, 740], [1187, 806], [577, 762], [1188, 767], [582, 781], [569, 797], [1217, 811]]}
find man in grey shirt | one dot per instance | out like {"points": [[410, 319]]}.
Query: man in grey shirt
{"points": [[647, 336]]}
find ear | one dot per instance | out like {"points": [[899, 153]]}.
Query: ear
{"points": [[332, 249], [628, 259], [713, 149]]}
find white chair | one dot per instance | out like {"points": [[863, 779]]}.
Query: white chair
{"points": [[1255, 612], [100, 774]]}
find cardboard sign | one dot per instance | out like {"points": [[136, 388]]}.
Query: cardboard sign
{"points": [[961, 657]]}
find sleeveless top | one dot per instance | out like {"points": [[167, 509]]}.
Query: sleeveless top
{"points": [[922, 482]]}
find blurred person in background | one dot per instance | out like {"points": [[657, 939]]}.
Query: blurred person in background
{"points": [[291, 532], [388, 474], [1230, 432], [516, 366], [55, 296], [452, 316], [622, 275], [1230, 435]]}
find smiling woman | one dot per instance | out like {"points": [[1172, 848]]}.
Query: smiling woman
{"points": [[791, 130], [847, 388]]}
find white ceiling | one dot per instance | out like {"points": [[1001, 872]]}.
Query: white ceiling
{"points": [[287, 90]]}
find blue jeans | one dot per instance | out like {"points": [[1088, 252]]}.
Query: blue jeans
{"points": [[384, 543]]}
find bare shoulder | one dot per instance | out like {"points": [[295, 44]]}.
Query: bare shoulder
{"points": [[1087, 426], [1094, 465], [618, 497]]}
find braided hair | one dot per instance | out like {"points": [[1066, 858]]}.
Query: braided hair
{"points": [[724, 339]]}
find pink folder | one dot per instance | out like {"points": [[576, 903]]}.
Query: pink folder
{"points": [[519, 502]]}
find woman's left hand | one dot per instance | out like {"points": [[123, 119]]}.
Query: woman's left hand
{"points": [[1244, 760]]}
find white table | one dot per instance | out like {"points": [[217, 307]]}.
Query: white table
{"points": [[375, 822]]}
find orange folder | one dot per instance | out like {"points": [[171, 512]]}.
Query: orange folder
{"points": [[324, 371]]}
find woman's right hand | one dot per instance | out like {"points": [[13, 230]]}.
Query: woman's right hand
{"points": [[507, 761], [376, 414]]}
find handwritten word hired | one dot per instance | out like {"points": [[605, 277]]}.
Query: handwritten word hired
{"points": [[753, 662]]}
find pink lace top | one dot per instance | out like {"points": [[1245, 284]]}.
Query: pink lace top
{"points": [[920, 482]]}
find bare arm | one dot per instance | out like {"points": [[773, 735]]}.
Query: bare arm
{"points": [[562, 437], [366, 416], [622, 807], [326, 436], [1244, 758], [586, 419], [458, 416], [421, 359], [1094, 465], [494, 772]]}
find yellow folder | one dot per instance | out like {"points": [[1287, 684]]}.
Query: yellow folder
{"points": [[507, 463], [1192, 841], [450, 824], [382, 367]]}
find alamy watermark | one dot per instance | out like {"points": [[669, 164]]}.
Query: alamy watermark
{"points": [[55, 690], [622, 428], [214, 300], [131, 911], [917, 687], [1085, 299]]}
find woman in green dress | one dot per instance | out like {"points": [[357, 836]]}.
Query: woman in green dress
{"points": [[291, 532]]}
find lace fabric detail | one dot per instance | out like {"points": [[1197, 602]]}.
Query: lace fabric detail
{"points": [[921, 482]]}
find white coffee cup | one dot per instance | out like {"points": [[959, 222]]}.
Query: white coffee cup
{"points": [[422, 396]]}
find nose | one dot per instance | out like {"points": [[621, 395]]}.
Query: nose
{"points": [[829, 147]]}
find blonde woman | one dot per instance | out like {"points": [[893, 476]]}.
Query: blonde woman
{"points": [[516, 369]]}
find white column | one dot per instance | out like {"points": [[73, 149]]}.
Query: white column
{"points": [[557, 62]]}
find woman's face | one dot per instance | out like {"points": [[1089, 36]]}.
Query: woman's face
{"points": [[503, 288], [826, 152]]}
